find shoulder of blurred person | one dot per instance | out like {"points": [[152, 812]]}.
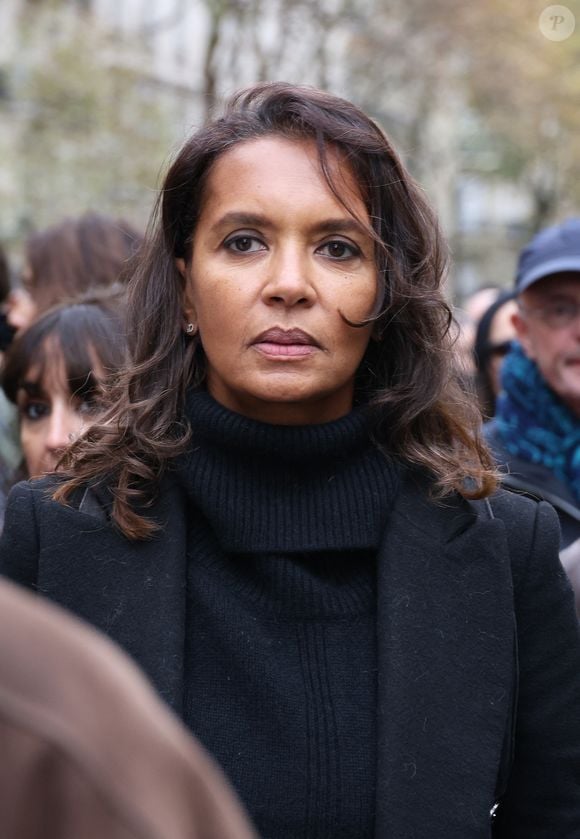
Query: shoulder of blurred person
{"points": [[87, 749], [536, 481]]}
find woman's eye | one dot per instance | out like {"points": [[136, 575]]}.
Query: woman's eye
{"points": [[244, 244], [337, 249], [88, 406], [35, 411]]}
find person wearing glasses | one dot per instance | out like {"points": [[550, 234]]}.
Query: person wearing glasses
{"points": [[535, 435]]}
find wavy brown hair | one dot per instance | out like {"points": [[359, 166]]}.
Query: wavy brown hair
{"points": [[77, 255], [407, 374]]}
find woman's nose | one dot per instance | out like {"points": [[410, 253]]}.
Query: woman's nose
{"points": [[63, 428], [290, 279]]}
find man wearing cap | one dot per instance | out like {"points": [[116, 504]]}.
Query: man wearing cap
{"points": [[535, 435]]}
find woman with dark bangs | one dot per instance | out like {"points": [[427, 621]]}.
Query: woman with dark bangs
{"points": [[287, 515], [55, 373]]}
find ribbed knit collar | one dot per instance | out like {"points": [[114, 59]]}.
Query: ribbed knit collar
{"points": [[276, 488]]}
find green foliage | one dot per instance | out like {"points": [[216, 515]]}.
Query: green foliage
{"points": [[89, 132]]}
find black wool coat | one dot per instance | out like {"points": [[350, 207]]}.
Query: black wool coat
{"points": [[478, 646]]}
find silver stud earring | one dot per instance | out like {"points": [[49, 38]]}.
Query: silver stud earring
{"points": [[190, 328]]}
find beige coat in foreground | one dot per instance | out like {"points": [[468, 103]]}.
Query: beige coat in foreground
{"points": [[87, 748]]}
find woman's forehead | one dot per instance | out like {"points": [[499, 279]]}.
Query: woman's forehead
{"points": [[269, 171]]}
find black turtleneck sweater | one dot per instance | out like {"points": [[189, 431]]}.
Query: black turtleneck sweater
{"points": [[280, 667]]}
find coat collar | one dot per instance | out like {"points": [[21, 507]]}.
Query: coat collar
{"points": [[445, 650]]}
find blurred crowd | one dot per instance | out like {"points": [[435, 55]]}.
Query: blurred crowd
{"points": [[522, 353], [62, 338], [63, 343]]}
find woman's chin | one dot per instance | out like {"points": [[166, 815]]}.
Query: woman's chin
{"points": [[286, 400]]}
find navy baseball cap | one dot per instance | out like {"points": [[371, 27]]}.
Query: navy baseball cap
{"points": [[552, 251]]}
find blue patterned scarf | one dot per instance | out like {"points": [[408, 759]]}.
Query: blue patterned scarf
{"points": [[534, 423]]}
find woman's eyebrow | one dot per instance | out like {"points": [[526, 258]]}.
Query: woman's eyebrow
{"points": [[31, 388], [340, 225]]}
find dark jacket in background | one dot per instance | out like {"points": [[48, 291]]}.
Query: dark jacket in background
{"points": [[87, 750], [474, 611], [538, 482]]}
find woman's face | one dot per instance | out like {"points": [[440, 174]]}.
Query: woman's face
{"points": [[21, 310], [50, 416], [276, 259]]}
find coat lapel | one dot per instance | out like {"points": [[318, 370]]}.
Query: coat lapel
{"points": [[445, 646], [135, 592]]}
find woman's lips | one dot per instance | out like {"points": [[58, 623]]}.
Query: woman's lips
{"points": [[285, 343], [284, 350]]}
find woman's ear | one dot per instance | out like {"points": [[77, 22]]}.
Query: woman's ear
{"points": [[189, 314]]}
